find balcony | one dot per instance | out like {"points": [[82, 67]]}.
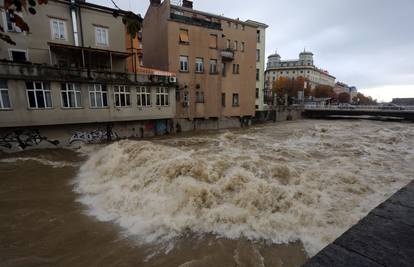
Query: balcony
{"points": [[227, 55], [88, 58]]}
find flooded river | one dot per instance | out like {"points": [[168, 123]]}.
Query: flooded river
{"points": [[272, 195]]}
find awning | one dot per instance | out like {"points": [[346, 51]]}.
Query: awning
{"points": [[89, 49]]}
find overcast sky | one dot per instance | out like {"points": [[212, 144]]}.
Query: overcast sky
{"points": [[366, 43]]}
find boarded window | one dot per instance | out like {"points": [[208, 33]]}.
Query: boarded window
{"points": [[213, 41], [184, 36]]}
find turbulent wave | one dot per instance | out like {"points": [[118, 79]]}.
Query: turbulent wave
{"points": [[304, 181]]}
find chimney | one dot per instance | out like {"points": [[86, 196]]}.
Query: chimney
{"points": [[188, 4], [155, 2]]}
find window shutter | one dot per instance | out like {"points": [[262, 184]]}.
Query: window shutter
{"points": [[184, 36], [213, 41]]}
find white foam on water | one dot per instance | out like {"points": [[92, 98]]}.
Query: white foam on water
{"points": [[310, 185], [46, 162]]}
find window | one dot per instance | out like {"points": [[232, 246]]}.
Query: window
{"points": [[228, 43], [258, 36], [257, 74], [4, 95], [98, 96], [199, 65], [122, 96], [223, 99], [213, 66], [257, 55], [242, 46], [18, 55], [101, 36], [213, 41], [223, 70], [184, 36], [144, 96], [11, 25], [38, 95], [184, 63], [257, 93], [199, 97], [235, 100], [162, 97], [58, 29], [235, 44], [71, 95], [186, 99], [236, 68], [177, 96]]}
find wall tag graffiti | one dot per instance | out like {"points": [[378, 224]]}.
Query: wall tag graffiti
{"points": [[93, 137], [24, 139]]}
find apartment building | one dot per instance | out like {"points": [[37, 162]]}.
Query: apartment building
{"points": [[292, 69], [214, 58], [75, 75]]}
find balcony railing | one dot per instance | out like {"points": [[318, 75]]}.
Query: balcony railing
{"points": [[29, 71], [227, 54], [196, 21]]}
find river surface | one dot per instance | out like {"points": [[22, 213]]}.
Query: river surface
{"points": [[272, 195]]}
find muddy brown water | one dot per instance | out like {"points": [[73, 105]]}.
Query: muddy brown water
{"points": [[337, 172], [42, 224]]}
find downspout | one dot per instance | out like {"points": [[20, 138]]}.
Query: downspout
{"points": [[134, 59], [81, 27], [74, 22]]}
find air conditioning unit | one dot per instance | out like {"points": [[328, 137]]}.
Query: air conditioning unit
{"points": [[173, 79]]}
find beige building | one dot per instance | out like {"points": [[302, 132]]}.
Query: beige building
{"points": [[302, 67], [214, 58], [72, 69], [260, 64]]}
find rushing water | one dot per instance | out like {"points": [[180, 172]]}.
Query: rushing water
{"points": [[266, 196]]}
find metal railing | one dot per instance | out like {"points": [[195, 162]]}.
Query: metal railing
{"points": [[359, 107]]}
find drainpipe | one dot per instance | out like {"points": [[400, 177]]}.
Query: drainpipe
{"points": [[81, 27], [134, 58], [74, 22]]}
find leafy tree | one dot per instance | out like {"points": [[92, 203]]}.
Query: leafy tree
{"points": [[285, 87], [344, 97], [323, 91], [14, 7], [361, 99]]}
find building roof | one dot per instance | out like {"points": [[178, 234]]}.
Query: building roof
{"points": [[260, 24]]}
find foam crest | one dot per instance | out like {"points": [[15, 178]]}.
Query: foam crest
{"points": [[310, 186]]}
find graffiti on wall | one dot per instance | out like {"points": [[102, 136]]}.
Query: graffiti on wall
{"points": [[94, 137], [24, 139]]}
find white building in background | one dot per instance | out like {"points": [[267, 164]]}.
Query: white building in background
{"points": [[260, 64], [302, 67]]}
